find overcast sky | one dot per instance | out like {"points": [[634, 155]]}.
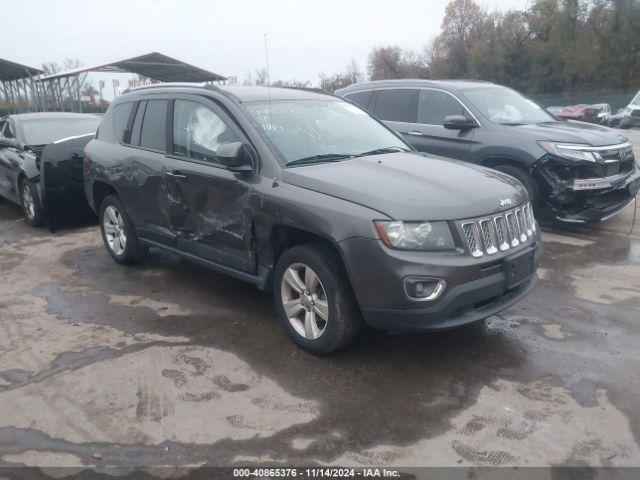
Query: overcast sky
{"points": [[226, 37]]}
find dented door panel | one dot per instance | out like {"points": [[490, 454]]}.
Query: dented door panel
{"points": [[145, 194], [211, 213]]}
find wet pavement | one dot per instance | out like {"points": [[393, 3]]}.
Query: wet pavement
{"points": [[168, 363]]}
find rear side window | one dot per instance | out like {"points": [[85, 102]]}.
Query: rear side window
{"points": [[434, 105], [360, 98], [137, 124], [121, 115], [397, 105], [154, 126]]}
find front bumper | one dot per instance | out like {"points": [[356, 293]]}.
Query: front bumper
{"points": [[588, 201], [476, 288], [629, 121]]}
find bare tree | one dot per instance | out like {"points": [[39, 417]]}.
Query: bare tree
{"points": [[352, 74]]}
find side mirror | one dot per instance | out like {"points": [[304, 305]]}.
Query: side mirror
{"points": [[458, 122], [235, 157]]}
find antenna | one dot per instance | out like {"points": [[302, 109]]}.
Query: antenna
{"points": [[266, 55]]}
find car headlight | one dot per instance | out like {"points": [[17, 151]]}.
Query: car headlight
{"points": [[416, 235], [627, 112], [570, 151]]}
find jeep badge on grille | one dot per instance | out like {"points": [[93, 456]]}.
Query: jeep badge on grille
{"points": [[504, 202]]}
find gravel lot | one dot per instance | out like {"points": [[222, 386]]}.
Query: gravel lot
{"points": [[169, 363]]}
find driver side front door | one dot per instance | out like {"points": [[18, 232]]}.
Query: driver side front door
{"points": [[211, 206]]}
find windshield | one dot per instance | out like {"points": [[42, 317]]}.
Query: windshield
{"points": [[636, 100], [309, 129], [505, 106], [44, 131]]}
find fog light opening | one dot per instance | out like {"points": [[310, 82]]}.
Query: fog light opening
{"points": [[424, 288]]}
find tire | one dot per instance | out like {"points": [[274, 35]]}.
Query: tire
{"points": [[336, 318], [30, 203], [524, 178], [118, 233]]}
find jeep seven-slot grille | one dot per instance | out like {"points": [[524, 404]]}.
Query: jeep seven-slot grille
{"points": [[500, 232]]}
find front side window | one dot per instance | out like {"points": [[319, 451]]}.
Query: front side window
{"points": [[506, 107], [48, 130], [198, 132], [326, 130], [154, 126], [434, 105], [396, 105]]}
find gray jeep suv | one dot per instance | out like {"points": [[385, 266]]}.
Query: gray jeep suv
{"points": [[574, 171], [309, 196]]}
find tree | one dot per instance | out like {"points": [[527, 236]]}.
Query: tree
{"points": [[462, 24], [350, 75], [393, 62], [553, 46]]}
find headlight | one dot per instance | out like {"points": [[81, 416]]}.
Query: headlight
{"points": [[416, 235], [627, 112], [570, 151]]}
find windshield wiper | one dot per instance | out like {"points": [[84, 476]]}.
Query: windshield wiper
{"points": [[322, 158], [380, 151]]}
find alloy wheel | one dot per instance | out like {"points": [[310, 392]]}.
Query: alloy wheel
{"points": [[305, 301], [28, 201], [113, 225]]}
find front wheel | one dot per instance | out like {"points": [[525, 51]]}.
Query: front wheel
{"points": [[314, 300], [118, 233], [30, 203], [527, 181]]}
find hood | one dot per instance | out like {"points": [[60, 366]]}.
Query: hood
{"points": [[572, 132], [412, 186]]}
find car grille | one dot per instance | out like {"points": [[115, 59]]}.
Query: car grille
{"points": [[500, 232]]}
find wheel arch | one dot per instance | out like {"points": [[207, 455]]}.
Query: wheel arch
{"points": [[284, 237], [101, 190], [495, 161]]}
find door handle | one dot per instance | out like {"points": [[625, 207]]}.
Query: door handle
{"points": [[177, 175], [415, 133]]}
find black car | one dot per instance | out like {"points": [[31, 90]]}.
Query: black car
{"points": [[311, 197], [23, 138], [574, 172]]}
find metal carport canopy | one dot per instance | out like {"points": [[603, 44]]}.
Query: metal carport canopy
{"points": [[10, 71], [152, 65]]}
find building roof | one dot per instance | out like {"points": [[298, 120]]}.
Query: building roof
{"points": [[50, 115], [14, 71], [152, 65]]}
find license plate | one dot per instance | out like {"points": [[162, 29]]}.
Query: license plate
{"points": [[518, 269]]}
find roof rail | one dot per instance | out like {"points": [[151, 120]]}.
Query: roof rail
{"points": [[206, 86]]}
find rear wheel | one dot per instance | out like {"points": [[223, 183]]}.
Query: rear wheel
{"points": [[314, 300], [118, 233], [30, 203]]}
